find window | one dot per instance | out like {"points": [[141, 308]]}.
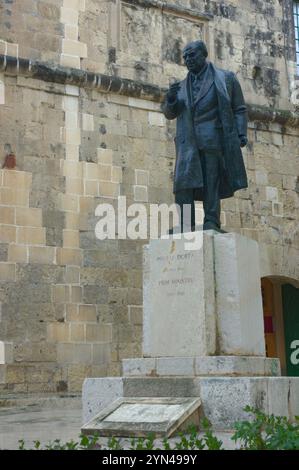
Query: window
{"points": [[296, 21]]}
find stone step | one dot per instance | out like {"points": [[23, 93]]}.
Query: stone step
{"points": [[201, 366], [48, 401]]}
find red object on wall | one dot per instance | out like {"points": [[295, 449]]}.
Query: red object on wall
{"points": [[10, 161], [268, 324]]}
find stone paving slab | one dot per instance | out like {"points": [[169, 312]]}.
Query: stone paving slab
{"points": [[46, 424], [36, 423]]}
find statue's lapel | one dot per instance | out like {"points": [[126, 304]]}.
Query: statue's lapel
{"points": [[206, 85]]}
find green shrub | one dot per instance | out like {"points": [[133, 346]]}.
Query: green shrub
{"points": [[189, 440], [267, 432]]}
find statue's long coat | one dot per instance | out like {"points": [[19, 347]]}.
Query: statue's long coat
{"points": [[233, 116]]}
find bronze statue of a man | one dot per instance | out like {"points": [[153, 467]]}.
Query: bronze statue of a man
{"points": [[211, 128]]}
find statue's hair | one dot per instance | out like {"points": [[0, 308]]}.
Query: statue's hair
{"points": [[198, 45]]}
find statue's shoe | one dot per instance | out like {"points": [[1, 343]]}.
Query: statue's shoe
{"points": [[212, 226]]}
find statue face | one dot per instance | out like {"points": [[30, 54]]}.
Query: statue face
{"points": [[194, 58]]}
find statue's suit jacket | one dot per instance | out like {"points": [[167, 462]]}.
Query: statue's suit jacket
{"points": [[198, 130]]}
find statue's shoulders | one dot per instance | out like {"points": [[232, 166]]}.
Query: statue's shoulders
{"points": [[228, 74]]}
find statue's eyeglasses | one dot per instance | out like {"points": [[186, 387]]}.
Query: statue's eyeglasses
{"points": [[192, 54]]}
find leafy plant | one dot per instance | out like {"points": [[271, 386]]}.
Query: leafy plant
{"points": [[190, 440], [114, 444], [143, 444], [210, 439], [85, 443], [267, 432]]}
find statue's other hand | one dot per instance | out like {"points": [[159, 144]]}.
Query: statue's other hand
{"points": [[243, 140], [173, 91]]}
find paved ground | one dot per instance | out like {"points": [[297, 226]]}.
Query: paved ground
{"points": [[35, 423], [49, 421]]}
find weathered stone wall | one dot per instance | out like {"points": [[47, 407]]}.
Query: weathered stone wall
{"points": [[71, 304], [143, 39]]}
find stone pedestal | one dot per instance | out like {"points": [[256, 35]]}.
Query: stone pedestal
{"points": [[202, 298], [223, 399], [179, 298], [239, 309], [203, 334]]}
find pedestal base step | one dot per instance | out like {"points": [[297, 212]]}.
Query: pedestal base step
{"points": [[138, 417], [223, 399], [201, 366]]}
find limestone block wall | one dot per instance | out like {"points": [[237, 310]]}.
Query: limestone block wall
{"points": [[71, 305], [143, 39]]}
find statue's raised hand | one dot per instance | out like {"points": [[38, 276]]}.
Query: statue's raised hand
{"points": [[173, 91]]}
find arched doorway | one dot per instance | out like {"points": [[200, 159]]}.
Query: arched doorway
{"points": [[281, 321]]}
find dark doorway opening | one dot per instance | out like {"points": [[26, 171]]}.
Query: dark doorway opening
{"points": [[281, 322]]}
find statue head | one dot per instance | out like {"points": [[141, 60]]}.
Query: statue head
{"points": [[194, 55]]}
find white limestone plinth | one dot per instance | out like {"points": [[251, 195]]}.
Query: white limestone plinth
{"points": [[204, 301], [178, 297], [240, 326]]}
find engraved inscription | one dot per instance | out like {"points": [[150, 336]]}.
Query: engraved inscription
{"points": [[174, 268]]}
